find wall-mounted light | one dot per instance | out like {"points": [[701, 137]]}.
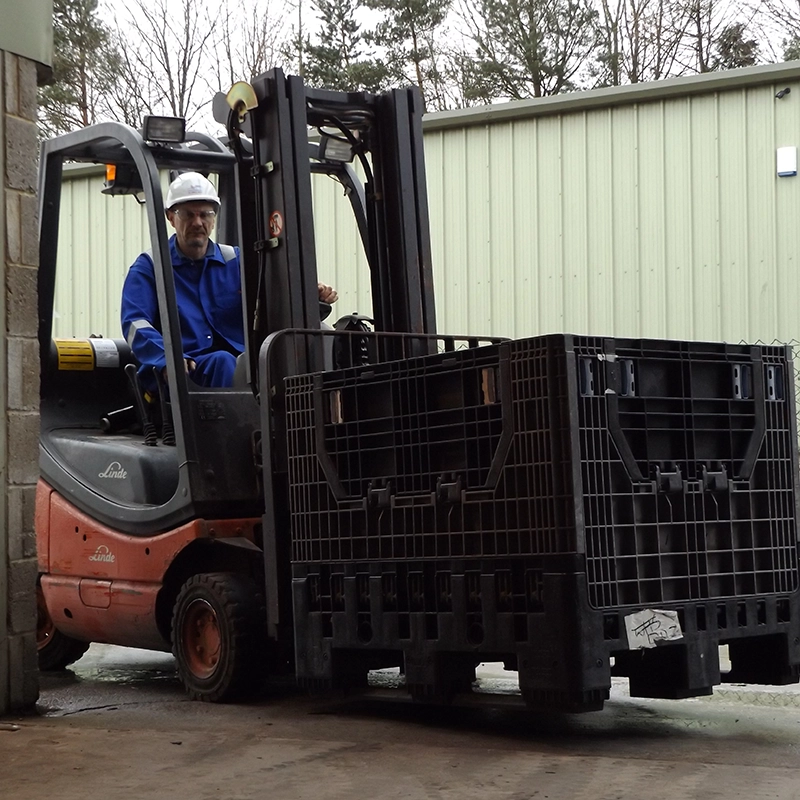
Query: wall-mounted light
{"points": [[787, 162]]}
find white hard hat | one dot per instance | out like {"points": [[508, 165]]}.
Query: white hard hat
{"points": [[191, 186]]}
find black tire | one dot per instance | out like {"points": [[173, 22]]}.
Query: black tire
{"points": [[56, 650], [218, 637]]}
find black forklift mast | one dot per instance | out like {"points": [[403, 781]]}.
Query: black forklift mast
{"points": [[384, 133]]}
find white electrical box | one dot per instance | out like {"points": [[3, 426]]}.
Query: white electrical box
{"points": [[787, 162]]}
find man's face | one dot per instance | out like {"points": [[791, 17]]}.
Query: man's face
{"points": [[193, 223]]}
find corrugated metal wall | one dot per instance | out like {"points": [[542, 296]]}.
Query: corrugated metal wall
{"points": [[99, 238], [644, 211], [662, 218]]}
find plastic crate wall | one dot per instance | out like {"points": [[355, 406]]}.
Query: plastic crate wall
{"points": [[445, 456], [630, 453], [710, 429]]}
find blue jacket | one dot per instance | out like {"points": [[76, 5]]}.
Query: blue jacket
{"points": [[209, 296]]}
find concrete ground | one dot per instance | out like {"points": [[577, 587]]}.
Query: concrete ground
{"points": [[119, 726]]}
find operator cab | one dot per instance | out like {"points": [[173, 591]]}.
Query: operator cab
{"points": [[124, 456]]}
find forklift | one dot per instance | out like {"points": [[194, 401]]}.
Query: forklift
{"points": [[375, 494], [158, 524]]}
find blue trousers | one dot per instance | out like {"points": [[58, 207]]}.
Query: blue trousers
{"points": [[214, 369]]}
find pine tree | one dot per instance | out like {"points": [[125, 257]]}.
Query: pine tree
{"points": [[734, 48], [407, 36], [527, 48], [85, 66], [338, 59]]}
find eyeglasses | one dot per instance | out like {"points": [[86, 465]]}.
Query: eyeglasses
{"points": [[187, 214]]}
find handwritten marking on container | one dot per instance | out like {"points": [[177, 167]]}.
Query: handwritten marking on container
{"points": [[651, 627]]}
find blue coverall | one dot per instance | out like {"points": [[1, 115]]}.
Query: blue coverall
{"points": [[209, 296]]}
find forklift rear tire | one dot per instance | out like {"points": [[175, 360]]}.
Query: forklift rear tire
{"points": [[218, 636], [56, 650]]}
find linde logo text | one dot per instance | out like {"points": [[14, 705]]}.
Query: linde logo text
{"points": [[113, 470], [103, 554]]}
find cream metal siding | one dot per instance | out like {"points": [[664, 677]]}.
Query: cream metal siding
{"points": [[99, 238], [652, 210], [662, 217], [340, 257]]}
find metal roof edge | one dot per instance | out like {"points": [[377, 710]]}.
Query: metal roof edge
{"points": [[613, 96], [76, 170]]}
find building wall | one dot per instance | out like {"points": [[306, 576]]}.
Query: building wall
{"points": [[19, 392], [644, 211], [652, 210], [99, 238]]}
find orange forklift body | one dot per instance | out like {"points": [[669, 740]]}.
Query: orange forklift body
{"points": [[101, 584]]}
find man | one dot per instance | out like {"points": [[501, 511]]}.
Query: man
{"points": [[207, 288]]}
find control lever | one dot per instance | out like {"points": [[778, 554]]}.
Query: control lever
{"points": [[118, 420], [167, 427], [149, 430]]}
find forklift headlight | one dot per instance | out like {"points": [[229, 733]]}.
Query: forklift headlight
{"points": [[164, 129]]}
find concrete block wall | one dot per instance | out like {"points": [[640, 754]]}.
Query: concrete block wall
{"points": [[19, 393]]}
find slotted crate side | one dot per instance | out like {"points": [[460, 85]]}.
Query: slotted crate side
{"points": [[435, 618], [466, 454], [702, 505], [713, 513], [512, 589]]}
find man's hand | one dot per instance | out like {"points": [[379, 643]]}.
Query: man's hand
{"points": [[327, 294]]}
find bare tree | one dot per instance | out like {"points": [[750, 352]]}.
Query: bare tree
{"points": [[640, 39], [704, 24], [712, 22], [252, 40], [440, 93], [129, 99], [781, 24], [166, 46]]}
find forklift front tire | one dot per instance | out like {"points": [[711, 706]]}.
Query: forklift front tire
{"points": [[56, 650], [218, 636]]}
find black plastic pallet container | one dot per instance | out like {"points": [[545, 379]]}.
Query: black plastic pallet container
{"points": [[576, 507]]}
